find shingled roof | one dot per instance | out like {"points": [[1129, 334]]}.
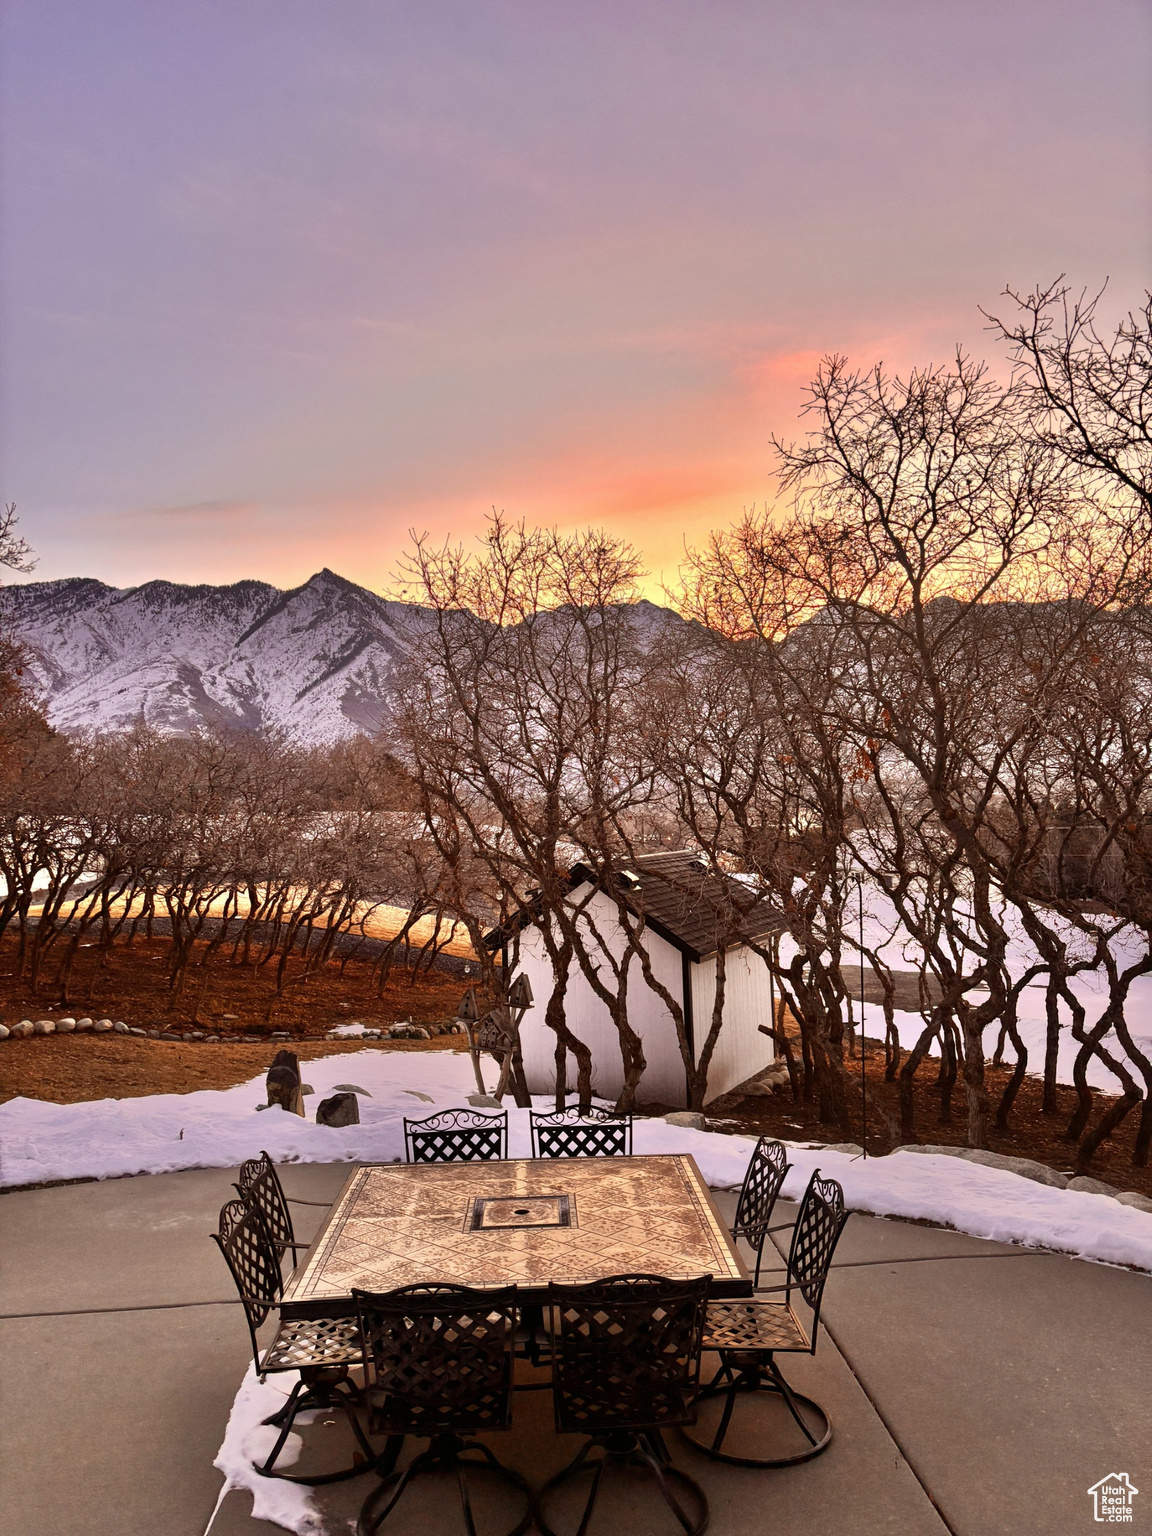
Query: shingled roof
{"points": [[693, 906], [686, 902]]}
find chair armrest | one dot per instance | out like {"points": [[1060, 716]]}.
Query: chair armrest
{"points": [[327, 1204]]}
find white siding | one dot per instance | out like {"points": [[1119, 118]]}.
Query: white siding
{"points": [[589, 1020], [741, 1050]]}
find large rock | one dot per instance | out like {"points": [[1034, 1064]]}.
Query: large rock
{"points": [[65, 1026], [4, 1031], [340, 1109], [283, 1083], [44, 1027], [484, 1101], [84, 1026], [23, 1028], [1039, 1173], [1137, 1201], [1087, 1186], [690, 1119], [102, 1026]]}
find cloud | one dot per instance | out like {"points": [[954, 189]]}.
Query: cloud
{"points": [[193, 509]]}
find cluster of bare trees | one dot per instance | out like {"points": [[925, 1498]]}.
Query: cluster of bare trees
{"points": [[923, 685], [928, 678], [238, 849]]}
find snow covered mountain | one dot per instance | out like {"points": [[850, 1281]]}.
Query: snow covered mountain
{"points": [[315, 661]]}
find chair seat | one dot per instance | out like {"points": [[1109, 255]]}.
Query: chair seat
{"points": [[311, 1341], [601, 1410], [754, 1326]]}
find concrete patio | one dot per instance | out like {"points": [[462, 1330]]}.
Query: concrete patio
{"points": [[977, 1389]]}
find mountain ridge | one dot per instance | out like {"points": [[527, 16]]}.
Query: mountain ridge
{"points": [[315, 661]]}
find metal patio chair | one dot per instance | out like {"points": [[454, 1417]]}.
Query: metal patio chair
{"points": [[259, 1185], [626, 1365], [575, 1132], [322, 1349], [767, 1169], [441, 1364], [457, 1136], [748, 1335]]}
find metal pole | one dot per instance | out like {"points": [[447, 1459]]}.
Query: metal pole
{"points": [[863, 1074]]}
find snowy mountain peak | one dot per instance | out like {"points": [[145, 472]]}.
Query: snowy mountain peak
{"points": [[315, 661]]}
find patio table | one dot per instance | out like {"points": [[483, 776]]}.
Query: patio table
{"points": [[523, 1222]]}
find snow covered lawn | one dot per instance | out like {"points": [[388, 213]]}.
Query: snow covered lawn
{"points": [[167, 1132]]}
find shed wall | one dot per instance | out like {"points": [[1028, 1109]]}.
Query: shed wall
{"points": [[589, 1019], [741, 1050]]}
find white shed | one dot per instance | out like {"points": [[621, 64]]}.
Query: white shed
{"points": [[678, 897]]}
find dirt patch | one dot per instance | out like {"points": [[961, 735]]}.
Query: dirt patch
{"points": [[1031, 1133], [229, 1000], [70, 1069], [131, 983]]}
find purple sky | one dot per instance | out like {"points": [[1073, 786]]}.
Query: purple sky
{"points": [[283, 280]]}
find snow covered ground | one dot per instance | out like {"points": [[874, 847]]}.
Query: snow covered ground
{"points": [[210, 1129]]}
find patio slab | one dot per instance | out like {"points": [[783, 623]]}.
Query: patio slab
{"points": [[1010, 1383], [971, 1395]]}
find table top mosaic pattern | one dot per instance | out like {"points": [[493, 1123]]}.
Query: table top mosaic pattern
{"points": [[412, 1224]]}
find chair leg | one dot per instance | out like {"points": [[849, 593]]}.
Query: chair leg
{"points": [[321, 1395], [625, 1448], [748, 1379], [445, 1453]]}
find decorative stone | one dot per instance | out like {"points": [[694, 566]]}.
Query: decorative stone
{"points": [[67, 1019], [102, 1026], [355, 1088], [100, 1022], [153, 1034], [1089, 1186], [168, 1035], [1137, 1201], [340, 1109], [135, 1029], [211, 1039], [690, 1119], [484, 1101], [22, 1029], [65, 1026], [283, 1083], [1039, 1173], [4, 1031], [80, 1023], [121, 1028], [84, 1026], [197, 1034], [280, 1034], [44, 1027]]}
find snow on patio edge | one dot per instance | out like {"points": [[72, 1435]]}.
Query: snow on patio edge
{"points": [[168, 1132]]}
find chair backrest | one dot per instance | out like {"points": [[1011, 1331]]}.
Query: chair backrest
{"points": [[817, 1231], [243, 1240], [626, 1351], [441, 1355], [457, 1136], [576, 1132], [259, 1185], [767, 1169]]}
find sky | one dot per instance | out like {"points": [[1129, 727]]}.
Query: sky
{"points": [[281, 282]]}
